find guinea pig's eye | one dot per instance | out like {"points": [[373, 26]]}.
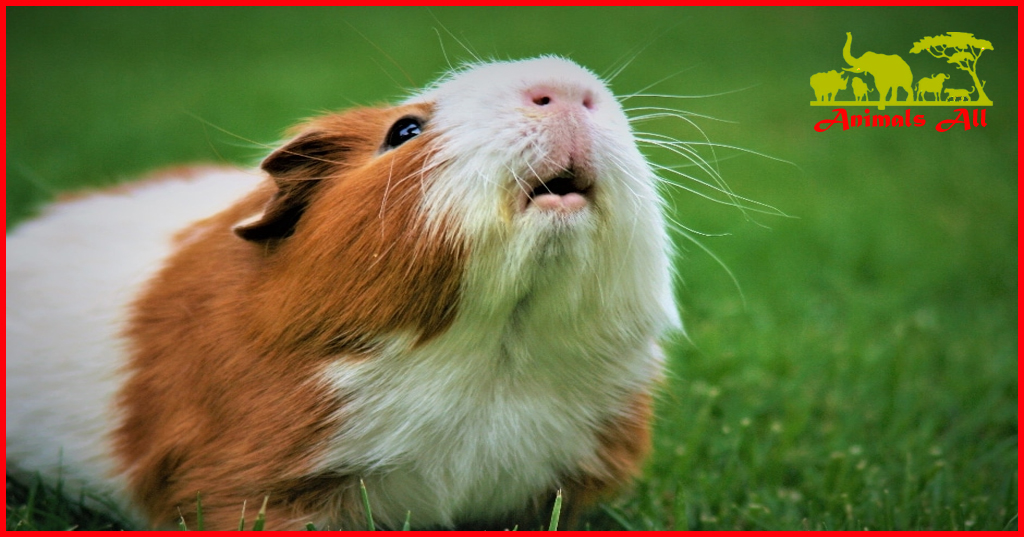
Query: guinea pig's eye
{"points": [[402, 131]]}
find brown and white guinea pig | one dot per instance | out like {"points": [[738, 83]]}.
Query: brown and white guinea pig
{"points": [[456, 299]]}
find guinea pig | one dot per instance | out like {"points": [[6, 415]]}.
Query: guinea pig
{"points": [[457, 299]]}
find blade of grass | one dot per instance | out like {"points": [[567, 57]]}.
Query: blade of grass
{"points": [[261, 517], [33, 491], [241, 521], [366, 505], [618, 518], [556, 512], [181, 521], [408, 519], [1011, 522], [199, 512]]}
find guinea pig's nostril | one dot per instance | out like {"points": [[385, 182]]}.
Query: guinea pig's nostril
{"points": [[565, 97]]}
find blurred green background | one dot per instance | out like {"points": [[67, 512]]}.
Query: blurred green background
{"points": [[864, 371]]}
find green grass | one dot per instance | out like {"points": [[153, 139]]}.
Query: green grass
{"points": [[864, 374], [33, 506]]}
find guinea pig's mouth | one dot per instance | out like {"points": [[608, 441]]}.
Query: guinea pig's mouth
{"points": [[567, 191]]}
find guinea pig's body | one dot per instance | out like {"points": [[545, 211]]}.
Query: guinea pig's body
{"points": [[455, 299]]}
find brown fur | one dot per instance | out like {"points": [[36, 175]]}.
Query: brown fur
{"points": [[624, 444], [222, 397]]}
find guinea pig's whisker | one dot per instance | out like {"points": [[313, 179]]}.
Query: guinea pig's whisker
{"points": [[691, 164], [251, 143], [736, 201], [689, 234], [391, 186], [658, 112], [476, 57], [381, 255], [626, 63], [744, 150], [627, 59], [640, 94], [384, 198], [693, 124], [637, 197], [306, 179], [534, 173], [520, 182], [685, 151], [429, 164]]}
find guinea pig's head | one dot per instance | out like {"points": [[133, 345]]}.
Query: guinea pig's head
{"points": [[531, 144], [497, 180]]}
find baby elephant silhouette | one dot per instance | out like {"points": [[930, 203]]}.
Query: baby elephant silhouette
{"points": [[932, 84], [827, 85], [959, 94], [860, 89]]}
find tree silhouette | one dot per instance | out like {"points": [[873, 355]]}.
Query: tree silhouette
{"points": [[961, 49]]}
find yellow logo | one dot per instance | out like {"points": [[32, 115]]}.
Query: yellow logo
{"points": [[892, 78]]}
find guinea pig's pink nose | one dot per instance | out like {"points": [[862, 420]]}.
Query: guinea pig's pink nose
{"points": [[555, 97]]}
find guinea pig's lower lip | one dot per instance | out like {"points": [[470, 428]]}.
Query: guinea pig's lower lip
{"points": [[566, 203]]}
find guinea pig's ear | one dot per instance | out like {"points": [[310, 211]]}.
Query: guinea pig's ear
{"points": [[297, 169]]}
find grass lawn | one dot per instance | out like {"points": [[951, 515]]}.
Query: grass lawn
{"points": [[861, 371]]}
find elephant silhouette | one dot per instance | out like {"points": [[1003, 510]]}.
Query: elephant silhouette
{"points": [[827, 85], [860, 89], [889, 70], [959, 94], [932, 84]]}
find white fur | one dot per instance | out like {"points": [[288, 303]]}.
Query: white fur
{"points": [[70, 276], [557, 316]]}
